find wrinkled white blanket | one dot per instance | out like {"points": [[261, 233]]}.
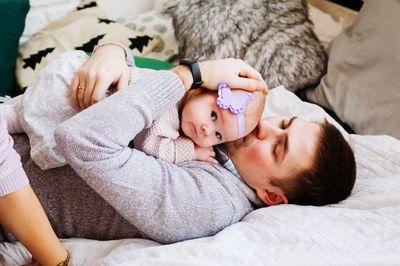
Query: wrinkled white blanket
{"points": [[362, 230]]}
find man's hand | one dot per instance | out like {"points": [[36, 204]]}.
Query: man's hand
{"points": [[235, 72], [106, 67], [204, 154]]}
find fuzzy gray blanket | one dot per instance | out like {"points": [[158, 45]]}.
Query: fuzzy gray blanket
{"points": [[274, 36]]}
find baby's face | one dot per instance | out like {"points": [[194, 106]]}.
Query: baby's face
{"points": [[205, 123]]}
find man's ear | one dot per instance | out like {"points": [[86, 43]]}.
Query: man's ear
{"points": [[272, 198]]}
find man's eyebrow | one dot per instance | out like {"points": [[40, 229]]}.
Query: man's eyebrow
{"points": [[286, 143]]}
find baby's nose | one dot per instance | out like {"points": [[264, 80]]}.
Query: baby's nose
{"points": [[205, 129]]}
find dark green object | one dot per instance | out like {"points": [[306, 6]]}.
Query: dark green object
{"points": [[12, 23], [145, 62]]}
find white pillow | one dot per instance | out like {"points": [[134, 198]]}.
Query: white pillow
{"points": [[362, 81], [42, 12], [282, 102]]}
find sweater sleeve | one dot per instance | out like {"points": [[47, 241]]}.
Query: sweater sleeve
{"points": [[162, 139], [173, 150], [12, 175], [184, 149], [165, 202]]}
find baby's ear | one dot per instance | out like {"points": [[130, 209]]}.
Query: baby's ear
{"points": [[272, 198]]}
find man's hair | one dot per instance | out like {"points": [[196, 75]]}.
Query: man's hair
{"points": [[332, 175]]}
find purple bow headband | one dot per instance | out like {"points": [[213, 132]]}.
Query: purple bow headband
{"points": [[236, 103]]}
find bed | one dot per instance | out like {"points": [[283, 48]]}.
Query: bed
{"points": [[361, 230]]}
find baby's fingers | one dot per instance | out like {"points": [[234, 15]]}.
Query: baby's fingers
{"points": [[212, 160]]}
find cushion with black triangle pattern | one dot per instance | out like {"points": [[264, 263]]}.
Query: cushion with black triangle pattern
{"points": [[81, 29]]}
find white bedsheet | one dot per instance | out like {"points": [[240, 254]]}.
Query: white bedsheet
{"points": [[362, 230]]}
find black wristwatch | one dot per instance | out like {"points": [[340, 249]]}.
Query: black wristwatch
{"points": [[195, 69]]}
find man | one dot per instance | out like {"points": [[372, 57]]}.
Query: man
{"points": [[140, 196]]}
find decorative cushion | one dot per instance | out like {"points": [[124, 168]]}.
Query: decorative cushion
{"points": [[156, 24], [275, 37], [12, 21], [81, 29], [43, 12], [362, 83], [325, 27], [146, 62]]}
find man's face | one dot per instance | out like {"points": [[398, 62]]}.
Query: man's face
{"points": [[277, 149]]}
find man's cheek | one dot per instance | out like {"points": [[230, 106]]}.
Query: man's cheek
{"points": [[256, 155]]}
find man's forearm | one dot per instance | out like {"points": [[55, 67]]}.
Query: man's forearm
{"points": [[184, 74]]}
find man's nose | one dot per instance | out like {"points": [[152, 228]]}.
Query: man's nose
{"points": [[268, 130]]}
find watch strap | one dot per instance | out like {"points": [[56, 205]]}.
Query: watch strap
{"points": [[196, 73]]}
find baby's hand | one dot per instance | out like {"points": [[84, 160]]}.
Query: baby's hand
{"points": [[204, 154]]}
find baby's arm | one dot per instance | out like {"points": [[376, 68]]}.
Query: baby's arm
{"points": [[10, 115], [173, 149], [182, 147], [162, 139], [205, 154]]}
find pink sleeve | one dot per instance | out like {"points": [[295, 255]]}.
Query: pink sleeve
{"points": [[184, 150], [173, 150], [162, 139], [12, 175]]}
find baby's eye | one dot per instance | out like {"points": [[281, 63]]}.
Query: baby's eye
{"points": [[213, 116], [218, 135]]}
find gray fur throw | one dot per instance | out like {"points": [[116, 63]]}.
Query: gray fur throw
{"points": [[274, 36]]}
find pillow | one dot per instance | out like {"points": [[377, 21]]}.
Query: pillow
{"points": [[282, 102], [81, 29], [275, 37], [12, 21], [325, 27], [156, 24], [362, 82], [42, 12], [145, 62]]}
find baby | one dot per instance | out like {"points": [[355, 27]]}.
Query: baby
{"points": [[204, 117]]}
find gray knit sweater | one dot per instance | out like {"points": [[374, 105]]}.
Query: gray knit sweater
{"points": [[155, 199]]}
